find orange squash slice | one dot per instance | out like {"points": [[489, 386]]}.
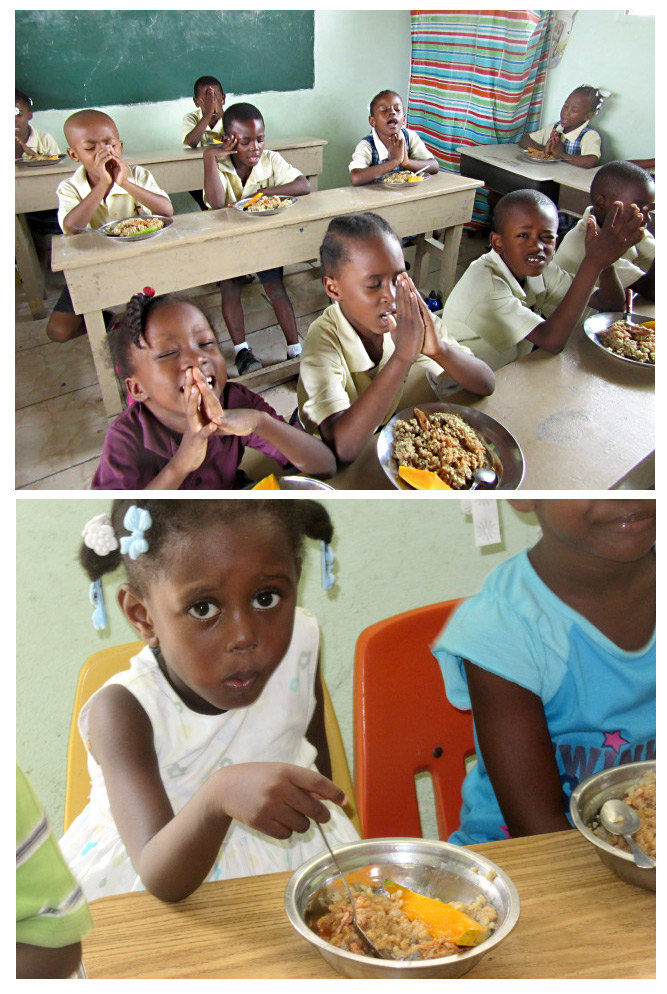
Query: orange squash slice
{"points": [[442, 920], [422, 479], [649, 324], [268, 483]]}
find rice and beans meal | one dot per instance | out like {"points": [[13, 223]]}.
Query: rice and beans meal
{"points": [[642, 797], [400, 922], [135, 226], [267, 204], [442, 443], [539, 153], [402, 176], [631, 341]]}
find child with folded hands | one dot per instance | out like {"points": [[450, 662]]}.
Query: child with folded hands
{"points": [[186, 427]]}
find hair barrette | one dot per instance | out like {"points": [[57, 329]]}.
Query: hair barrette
{"points": [[148, 291], [98, 535], [96, 598], [328, 575], [137, 520]]}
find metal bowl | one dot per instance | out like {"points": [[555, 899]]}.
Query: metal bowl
{"points": [[404, 183], [505, 455], [105, 229], [42, 162], [286, 202], [597, 323], [436, 869], [587, 799], [302, 483], [525, 154]]}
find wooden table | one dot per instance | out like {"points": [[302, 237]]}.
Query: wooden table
{"points": [[504, 168], [577, 921], [176, 170], [203, 247], [583, 420]]}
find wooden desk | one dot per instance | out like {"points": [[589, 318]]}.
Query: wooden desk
{"points": [[505, 168], [177, 170], [584, 421], [577, 921], [203, 247]]}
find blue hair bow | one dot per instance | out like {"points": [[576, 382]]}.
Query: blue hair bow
{"points": [[96, 598], [137, 520], [328, 575]]}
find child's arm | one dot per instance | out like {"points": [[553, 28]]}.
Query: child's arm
{"points": [[155, 202], [173, 853], [316, 733], [622, 229], [214, 190], [209, 109], [347, 431], [514, 740], [299, 187], [527, 142], [397, 153], [556, 148], [467, 370], [100, 180]]}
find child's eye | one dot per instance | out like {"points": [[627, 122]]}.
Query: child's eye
{"points": [[266, 599], [209, 343], [204, 610], [167, 355]]}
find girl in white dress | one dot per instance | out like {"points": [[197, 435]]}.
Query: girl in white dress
{"points": [[208, 757]]}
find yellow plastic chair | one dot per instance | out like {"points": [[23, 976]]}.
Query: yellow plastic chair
{"points": [[96, 671]]}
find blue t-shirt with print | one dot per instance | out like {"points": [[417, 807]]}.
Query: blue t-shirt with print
{"points": [[599, 700]]}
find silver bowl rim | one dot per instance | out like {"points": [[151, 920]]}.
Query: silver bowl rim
{"points": [[42, 162], [321, 485], [474, 953], [400, 186], [119, 238], [273, 210], [582, 827], [592, 333]]}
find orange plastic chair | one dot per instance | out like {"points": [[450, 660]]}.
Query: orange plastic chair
{"points": [[96, 671], [404, 725]]}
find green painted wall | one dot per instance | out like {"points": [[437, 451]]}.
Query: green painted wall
{"points": [[392, 555]]}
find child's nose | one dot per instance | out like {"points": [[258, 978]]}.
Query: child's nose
{"points": [[240, 631]]}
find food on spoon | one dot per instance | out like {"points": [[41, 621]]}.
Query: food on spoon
{"points": [[631, 341], [642, 797], [442, 443], [268, 483], [135, 226], [444, 921]]}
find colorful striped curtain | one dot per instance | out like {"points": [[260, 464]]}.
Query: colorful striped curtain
{"points": [[477, 78]]}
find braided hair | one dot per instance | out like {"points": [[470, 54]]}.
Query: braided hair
{"points": [[334, 250], [172, 519], [596, 96], [128, 331]]}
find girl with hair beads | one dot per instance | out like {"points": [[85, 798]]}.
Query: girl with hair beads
{"points": [[209, 752], [187, 426], [572, 139]]}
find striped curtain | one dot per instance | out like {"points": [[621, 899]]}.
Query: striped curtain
{"points": [[477, 78]]}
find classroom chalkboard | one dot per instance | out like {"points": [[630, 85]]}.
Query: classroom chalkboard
{"points": [[90, 58]]}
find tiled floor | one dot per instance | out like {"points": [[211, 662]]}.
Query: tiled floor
{"points": [[60, 421]]}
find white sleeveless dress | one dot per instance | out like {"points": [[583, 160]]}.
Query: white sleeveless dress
{"points": [[190, 748]]}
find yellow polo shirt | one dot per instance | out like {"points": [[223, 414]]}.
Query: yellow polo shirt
{"points": [[629, 268], [591, 143], [492, 313], [42, 142], [193, 118], [271, 170], [335, 370], [117, 204]]}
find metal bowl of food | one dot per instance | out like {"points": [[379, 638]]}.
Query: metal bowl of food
{"points": [[42, 159], [585, 803], [263, 206], [273, 482], [435, 869], [403, 178], [136, 228], [502, 451], [598, 328]]}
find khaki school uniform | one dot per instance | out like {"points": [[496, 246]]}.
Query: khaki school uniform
{"points": [[117, 204], [492, 313], [42, 142], [591, 143], [335, 370], [629, 268], [193, 118], [271, 170], [362, 157]]}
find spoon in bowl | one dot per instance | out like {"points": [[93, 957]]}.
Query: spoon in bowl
{"points": [[368, 943], [620, 819], [484, 478]]}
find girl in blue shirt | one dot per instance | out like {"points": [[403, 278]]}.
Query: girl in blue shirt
{"points": [[556, 657]]}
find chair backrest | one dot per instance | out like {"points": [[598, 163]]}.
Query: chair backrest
{"points": [[96, 671], [404, 725]]}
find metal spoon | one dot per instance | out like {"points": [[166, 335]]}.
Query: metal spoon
{"points": [[620, 819], [368, 943], [484, 478], [629, 297]]}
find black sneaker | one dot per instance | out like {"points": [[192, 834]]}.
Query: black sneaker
{"points": [[246, 362]]}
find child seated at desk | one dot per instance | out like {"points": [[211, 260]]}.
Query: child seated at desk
{"points": [[390, 146], [556, 657], [239, 168], [629, 184], [377, 348], [209, 99], [572, 139], [28, 141], [515, 297], [186, 427], [103, 188]]}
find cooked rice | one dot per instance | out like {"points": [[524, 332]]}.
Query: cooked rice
{"points": [[136, 224], [448, 447], [389, 928], [539, 153], [632, 341], [268, 204], [400, 177], [641, 797]]}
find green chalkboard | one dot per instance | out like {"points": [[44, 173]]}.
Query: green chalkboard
{"points": [[87, 58]]}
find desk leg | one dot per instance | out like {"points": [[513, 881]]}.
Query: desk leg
{"points": [[450, 257], [97, 337], [30, 270]]}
